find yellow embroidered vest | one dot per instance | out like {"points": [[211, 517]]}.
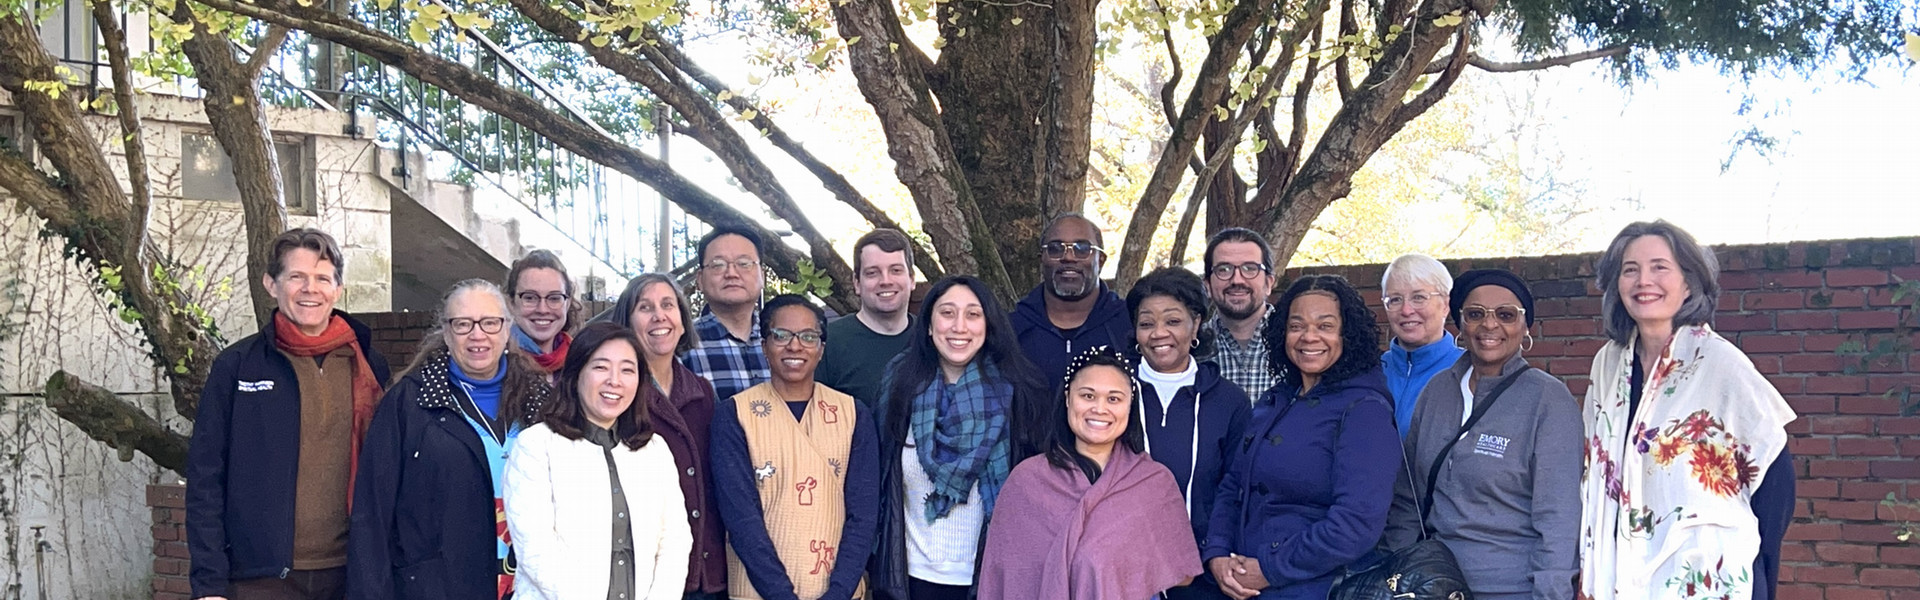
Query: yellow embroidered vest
{"points": [[800, 467]]}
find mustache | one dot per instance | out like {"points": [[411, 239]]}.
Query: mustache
{"points": [[1238, 287]]}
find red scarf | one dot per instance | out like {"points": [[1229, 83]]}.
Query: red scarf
{"points": [[551, 361], [366, 389]]}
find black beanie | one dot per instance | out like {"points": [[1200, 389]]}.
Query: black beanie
{"points": [[1465, 283]]}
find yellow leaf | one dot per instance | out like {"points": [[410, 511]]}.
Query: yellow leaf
{"points": [[895, 47], [1913, 47], [418, 31], [1017, 20], [383, 4], [237, 101], [748, 114], [1220, 113], [853, 40], [471, 21], [754, 80], [724, 95], [600, 41], [939, 42]]}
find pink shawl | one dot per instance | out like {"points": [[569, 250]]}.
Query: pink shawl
{"points": [[1053, 536]]}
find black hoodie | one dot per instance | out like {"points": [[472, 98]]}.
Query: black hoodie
{"points": [[1050, 349]]}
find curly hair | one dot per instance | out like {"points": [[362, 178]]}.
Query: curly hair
{"points": [[1359, 335]]}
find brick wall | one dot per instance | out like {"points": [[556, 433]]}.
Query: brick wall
{"points": [[1819, 319]]}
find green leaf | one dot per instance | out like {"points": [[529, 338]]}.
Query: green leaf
{"points": [[417, 30]]}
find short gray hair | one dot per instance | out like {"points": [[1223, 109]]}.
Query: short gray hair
{"points": [[1697, 264], [1418, 268]]}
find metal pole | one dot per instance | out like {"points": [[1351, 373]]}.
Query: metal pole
{"points": [[663, 226]]}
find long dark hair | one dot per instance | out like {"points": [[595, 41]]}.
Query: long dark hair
{"points": [[1062, 451], [522, 391], [1359, 335], [920, 365], [622, 312], [564, 416]]}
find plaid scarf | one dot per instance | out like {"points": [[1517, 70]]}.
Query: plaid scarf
{"points": [[961, 434]]}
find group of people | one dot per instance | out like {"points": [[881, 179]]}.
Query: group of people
{"points": [[1190, 440]]}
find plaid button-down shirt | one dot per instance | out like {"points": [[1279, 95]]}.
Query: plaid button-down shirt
{"points": [[1244, 365], [732, 365]]}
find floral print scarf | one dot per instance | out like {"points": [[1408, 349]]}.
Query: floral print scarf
{"points": [[1665, 496]]}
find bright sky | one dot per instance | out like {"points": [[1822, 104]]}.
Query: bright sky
{"points": [[1848, 164]]}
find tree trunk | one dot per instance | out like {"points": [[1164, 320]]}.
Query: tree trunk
{"points": [[106, 417], [1016, 95], [233, 106]]}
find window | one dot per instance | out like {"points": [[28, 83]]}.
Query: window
{"points": [[207, 172]]}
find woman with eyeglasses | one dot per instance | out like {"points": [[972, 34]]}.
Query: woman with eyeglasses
{"points": [[1413, 293], [591, 492], [961, 407], [680, 405], [1688, 488], [1190, 415], [543, 314], [1494, 454], [426, 509]]}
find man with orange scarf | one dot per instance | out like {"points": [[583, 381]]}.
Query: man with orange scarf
{"points": [[270, 466]]}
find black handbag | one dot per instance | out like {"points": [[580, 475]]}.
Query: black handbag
{"points": [[1426, 570]]}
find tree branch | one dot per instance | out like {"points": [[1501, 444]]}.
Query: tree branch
{"points": [[828, 176], [134, 145], [264, 51], [1342, 72], [103, 416], [1476, 61]]}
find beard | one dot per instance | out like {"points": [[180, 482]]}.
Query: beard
{"points": [[1070, 291], [1240, 314]]}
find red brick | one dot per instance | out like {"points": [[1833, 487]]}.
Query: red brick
{"points": [[166, 533], [1799, 592], [1810, 363], [1817, 488], [170, 549], [1796, 552], [1766, 364], [1728, 303], [1903, 594], [1814, 532], [1570, 366], [1570, 327], [1811, 405], [1906, 512], [1841, 425], [180, 596], [1757, 343], [1798, 320], [1744, 322], [1871, 534], [1843, 299], [1837, 384], [1825, 575], [169, 566], [1867, 490], [1881, 384], [1810, 446], [1900, 426], [1876, 446], [1900, 555], [1824, 342], [1846, 512], [1896, 469], [1774, 301], [1855, 593], [1846, 553], [162, 495], [1791, 279], [1868, 405], [1903, 578], [1855, 277], [1869, 320], [1788, 385], [1739, 281], [1585, 346], [171, 584], [1838, 468]]}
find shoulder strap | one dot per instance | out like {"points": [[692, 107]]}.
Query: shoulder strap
{"points": [[1426, 500]]}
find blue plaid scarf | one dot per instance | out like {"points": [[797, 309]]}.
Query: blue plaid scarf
{"points": [[961, 434]]}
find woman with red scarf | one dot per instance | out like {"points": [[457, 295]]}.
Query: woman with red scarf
{"points": [[541, 295]]}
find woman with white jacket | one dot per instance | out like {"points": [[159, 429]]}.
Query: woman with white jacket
{"points": [[591, 495]]}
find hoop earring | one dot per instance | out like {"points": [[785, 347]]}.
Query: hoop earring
{"points": [[1195, 345], [1459, 341], [1527, 343]]}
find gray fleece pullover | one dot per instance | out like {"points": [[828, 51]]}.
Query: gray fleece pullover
{"points": [[1507, 501]]}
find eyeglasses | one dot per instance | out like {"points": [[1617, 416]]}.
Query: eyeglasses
{"points": [[1417, 300], [463, 325], [1224, 271], [1079, 249], [1507, 314], [809, 339], [744, 265], [531, 299]]}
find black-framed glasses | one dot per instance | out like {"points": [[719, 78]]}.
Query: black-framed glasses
{"points": [[1079, 249], [810, 339], [463, 325], [1224, 271], [1506, 314], [1417, 300], [530, 299], [744, 265]]}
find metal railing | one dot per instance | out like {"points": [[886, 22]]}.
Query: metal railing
{"points": [[610, 214]]}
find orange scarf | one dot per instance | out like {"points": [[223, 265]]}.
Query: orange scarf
{"points": [[551, 361], [366, 388]]}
